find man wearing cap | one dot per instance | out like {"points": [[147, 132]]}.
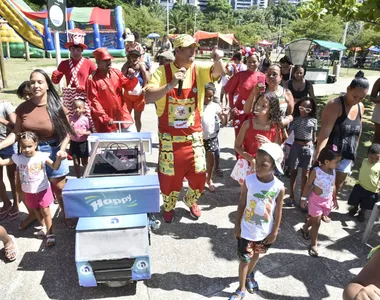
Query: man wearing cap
{"points": [[76, 70], [105, 94], [165, 58], [135, 99], [178, 92]]}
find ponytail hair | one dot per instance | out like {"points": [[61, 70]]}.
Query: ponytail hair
{"points": [[330, 152], [360, 81]]}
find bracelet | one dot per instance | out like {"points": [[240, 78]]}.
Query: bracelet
{"points": [[169, 87], [304, 198]]}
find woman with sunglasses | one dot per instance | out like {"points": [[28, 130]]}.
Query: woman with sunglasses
{"points": [[342, 126]]}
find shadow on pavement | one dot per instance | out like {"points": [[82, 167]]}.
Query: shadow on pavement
{"points": [[193, 283]]}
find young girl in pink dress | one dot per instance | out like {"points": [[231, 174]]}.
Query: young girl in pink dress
{"points": [[256, 130]]}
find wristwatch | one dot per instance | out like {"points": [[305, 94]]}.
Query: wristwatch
{"points": [[304, 198]]}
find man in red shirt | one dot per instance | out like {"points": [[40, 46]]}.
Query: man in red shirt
{"points": [[104, 89], [76, 71]]}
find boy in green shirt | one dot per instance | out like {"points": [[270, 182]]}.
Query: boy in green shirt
{"points": [[365, 192]]}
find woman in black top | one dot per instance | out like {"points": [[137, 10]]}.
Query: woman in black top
{"points": [[342, 126], [299, 86]]}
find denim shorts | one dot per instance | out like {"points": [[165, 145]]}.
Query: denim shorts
{"points": [[7, 152], [52, 147], [300, 156], [345, 166]]}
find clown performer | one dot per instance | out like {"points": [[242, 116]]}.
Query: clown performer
{"points": [[104, 89], [178, 92], [76, 70]]}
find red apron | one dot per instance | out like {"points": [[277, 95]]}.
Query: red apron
{"points": [[181, 145]]}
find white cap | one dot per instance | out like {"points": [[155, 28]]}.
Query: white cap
{"points": [[274, 151], [129, 38]]}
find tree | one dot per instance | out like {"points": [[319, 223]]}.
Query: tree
{"points": [[328, 28], [218, 6], [284, 10], [350, 10], [141, 19]]}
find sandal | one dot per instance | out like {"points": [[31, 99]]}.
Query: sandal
{"points": [[40, 234], [252, 285], [305, 234], [12, 250], [313, 252], [4, 214], [50, 240], [211, 188], [326, 219], [237, 295], [13, 216]]}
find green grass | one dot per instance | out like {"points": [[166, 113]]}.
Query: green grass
{"points": [[366, 137]]}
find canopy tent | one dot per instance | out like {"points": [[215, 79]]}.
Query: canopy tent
{"points": [[204, 35], [265, 43], [298, 50], [374, 49]]}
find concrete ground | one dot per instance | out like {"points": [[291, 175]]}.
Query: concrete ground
{"points": [[197, 259]]}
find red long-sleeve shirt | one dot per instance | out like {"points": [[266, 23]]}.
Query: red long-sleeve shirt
{"points": [[85, 70], [104, 95]]}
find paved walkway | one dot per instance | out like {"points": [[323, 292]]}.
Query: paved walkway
{"points": [[196, 259]]}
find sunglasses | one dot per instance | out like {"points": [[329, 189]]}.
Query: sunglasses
{"points": [[272, 75], [307, 110]]}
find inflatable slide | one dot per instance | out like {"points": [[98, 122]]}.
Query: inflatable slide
{"points": [[28, 29]]}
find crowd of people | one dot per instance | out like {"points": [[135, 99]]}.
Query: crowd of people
{"points": [[272, 108]]}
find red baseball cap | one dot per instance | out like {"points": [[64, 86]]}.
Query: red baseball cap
{"points": [[102, 54]]}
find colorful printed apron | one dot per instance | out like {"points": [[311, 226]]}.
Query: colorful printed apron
{"points": [[70, 93], [181, 145]]}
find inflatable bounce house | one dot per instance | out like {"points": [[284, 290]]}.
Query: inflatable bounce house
{"points": [[13, 45], [103, 27]]}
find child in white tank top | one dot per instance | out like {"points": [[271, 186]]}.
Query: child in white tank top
{"points": [[259, 215], [322, 198]]}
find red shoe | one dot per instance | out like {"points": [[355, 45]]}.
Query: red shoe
{"points": [[69, 157], [195, 211], [168, 216]]}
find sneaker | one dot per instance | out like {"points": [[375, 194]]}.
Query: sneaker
{"points": [[361, 216], [195, 211], [168, 216], [290, 203], [352, 212]]}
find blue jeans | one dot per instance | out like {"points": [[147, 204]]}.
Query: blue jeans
{"points": [[52, 147]]}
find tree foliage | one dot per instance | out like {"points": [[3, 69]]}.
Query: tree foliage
{"points": [[350, 10], [328, 28], [217, 6]]}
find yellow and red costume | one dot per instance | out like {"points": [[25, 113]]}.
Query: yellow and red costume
{"points": [[181, 151]]}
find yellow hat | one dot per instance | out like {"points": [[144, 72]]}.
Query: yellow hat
{"points": [[184, 40]]}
